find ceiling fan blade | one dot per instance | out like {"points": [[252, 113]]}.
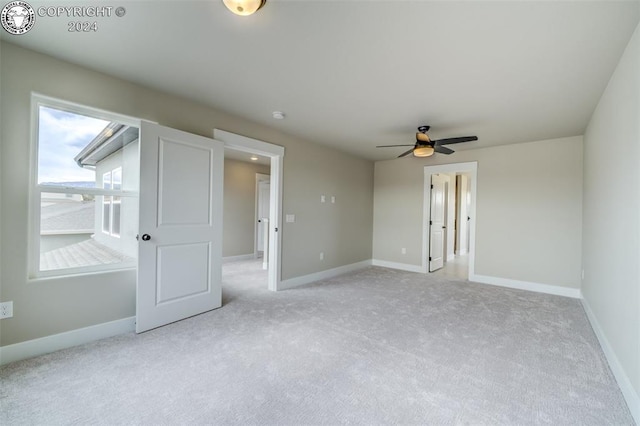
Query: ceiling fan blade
{"points": [[405, 153], [391, 146], [443, 150], [456, 140]]}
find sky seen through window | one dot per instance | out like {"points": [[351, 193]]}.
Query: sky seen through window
{"points": [[62, 135]]}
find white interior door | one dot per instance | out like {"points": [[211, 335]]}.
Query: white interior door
{"points": [[264, 195], [437, 223], [464, 204], [180, 245]]}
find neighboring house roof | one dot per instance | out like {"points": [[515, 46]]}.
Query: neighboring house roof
{"points": [[85, 253], [111, 139], [67, 215]]}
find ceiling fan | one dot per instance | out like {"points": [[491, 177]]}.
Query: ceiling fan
{"points": [[425, 147]]}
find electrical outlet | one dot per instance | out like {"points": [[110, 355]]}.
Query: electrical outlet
{"points": [[322, 199], [333, 199], [6, 310], [321, 255], [404, 250]]}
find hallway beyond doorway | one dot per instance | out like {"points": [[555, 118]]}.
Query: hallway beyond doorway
{"points": [[458, 268]]}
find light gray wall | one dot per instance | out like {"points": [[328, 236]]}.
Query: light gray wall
{"points": [[46, 307], [341, 230], [611, 230], [240, 206], [529, 210]]}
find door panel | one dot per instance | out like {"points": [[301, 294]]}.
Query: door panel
{"points": [[180, 271], [184, 198], [180, 252], [437, 223]]}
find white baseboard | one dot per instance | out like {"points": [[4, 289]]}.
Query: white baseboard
{"points": [[526, 285], [629, 393], [400, 266], [322, 275], [45, 345], [238, 258]]}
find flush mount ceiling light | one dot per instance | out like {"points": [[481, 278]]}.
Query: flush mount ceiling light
{"points": [[254, 158], [278, 115], [244, 7]]}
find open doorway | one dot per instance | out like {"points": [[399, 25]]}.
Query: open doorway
{"points": [[449, 220], [245, 222], [273, 157]]}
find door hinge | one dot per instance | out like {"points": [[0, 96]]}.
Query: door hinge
{"points": [[431, 186], [429, 258], [430, 222], [276, 229]]}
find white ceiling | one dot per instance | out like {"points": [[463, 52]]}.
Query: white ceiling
{"points": [[356, 74]]}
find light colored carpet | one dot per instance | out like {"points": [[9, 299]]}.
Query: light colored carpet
{"points": [[373, 347]]}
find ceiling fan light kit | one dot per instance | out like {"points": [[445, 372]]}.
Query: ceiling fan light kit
{"points": [[426, 147], [423, 151], [244, 7]]}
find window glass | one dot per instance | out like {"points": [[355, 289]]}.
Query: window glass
{"points": [[61, 137], [106, 214], [115, 209], [106, 180], [87, 222], [67, 228], [117, 178]]}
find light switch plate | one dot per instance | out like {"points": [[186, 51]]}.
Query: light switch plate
{"points": [[290, 218], [6, 310]]}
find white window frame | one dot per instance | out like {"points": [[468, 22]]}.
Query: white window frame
{"points": [[36, 190]]}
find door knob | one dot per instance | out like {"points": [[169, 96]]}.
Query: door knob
{"points": [[146, 237]]}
